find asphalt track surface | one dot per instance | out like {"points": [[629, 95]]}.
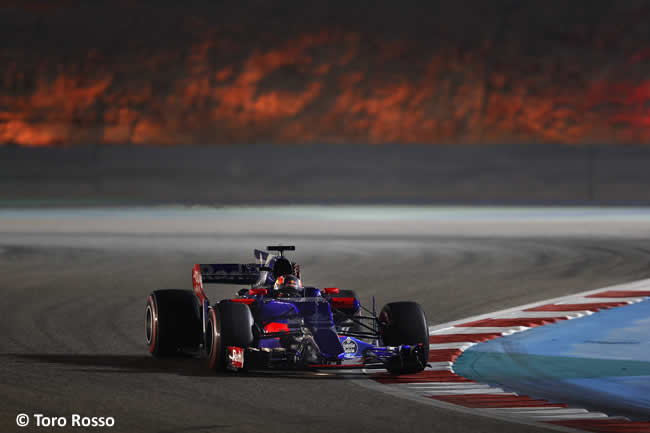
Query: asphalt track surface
{"points": [[72, 307]]}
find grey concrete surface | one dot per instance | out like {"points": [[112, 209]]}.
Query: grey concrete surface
{"points": [[72, 321], [258, 173], [412, 222]]}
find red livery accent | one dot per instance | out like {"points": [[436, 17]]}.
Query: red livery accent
{"points": [[246, 301], [461, 338], [276, 327], [621, 294], [258, 291], [235, 357], [331, 290], [197, 283], [596, 306], [343, 302]]}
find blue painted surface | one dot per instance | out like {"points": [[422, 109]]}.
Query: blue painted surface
{"points": [[600, 362]]}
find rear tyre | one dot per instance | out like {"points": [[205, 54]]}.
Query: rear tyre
{"points": [[172, 323], [229, 324], [404, 323]]}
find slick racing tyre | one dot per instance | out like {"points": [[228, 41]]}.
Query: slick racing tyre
{"points": [[404, 323], [214, 348], [229, 324], [172, 322]]}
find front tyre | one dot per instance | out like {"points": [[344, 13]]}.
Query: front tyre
{"points": [[404, 323], [229, 324], [214, 348]]}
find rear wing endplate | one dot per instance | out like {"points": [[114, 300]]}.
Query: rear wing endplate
{"points": [[248, 274]]}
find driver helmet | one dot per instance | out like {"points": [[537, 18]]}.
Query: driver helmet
{"points": [[282, 266], [287, 285]]}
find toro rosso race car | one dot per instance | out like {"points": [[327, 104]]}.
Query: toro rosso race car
{"points": [[276, 322]]}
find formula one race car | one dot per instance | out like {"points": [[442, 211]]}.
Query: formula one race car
{"points": [[278, 323]]}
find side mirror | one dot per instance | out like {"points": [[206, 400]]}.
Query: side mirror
{"points": [[331, 290]]}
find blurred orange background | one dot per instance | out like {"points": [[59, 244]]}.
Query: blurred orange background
{"points": [[258, 72]]}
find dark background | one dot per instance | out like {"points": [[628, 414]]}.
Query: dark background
{"points": [[541, 174], [503, 71], [325, 102]]}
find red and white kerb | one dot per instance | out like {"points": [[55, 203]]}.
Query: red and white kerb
{"points": [[439, 381]]}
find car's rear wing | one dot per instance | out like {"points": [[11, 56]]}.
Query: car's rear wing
{"points": [[250, 274], [230, 273], [246, 274]]}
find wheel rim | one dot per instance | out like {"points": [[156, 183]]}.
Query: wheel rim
{"points": [[213, 342], [210, 340], [150, 326]]}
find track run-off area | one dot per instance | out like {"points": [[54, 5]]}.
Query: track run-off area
{"points": [[74, 283], [464, 368]]}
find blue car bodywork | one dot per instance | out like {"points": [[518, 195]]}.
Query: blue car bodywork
{"points": [[315, 328]]}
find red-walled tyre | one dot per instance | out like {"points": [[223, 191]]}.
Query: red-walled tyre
{"points": [[214, 348], [228, 324], [172, 323]]}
